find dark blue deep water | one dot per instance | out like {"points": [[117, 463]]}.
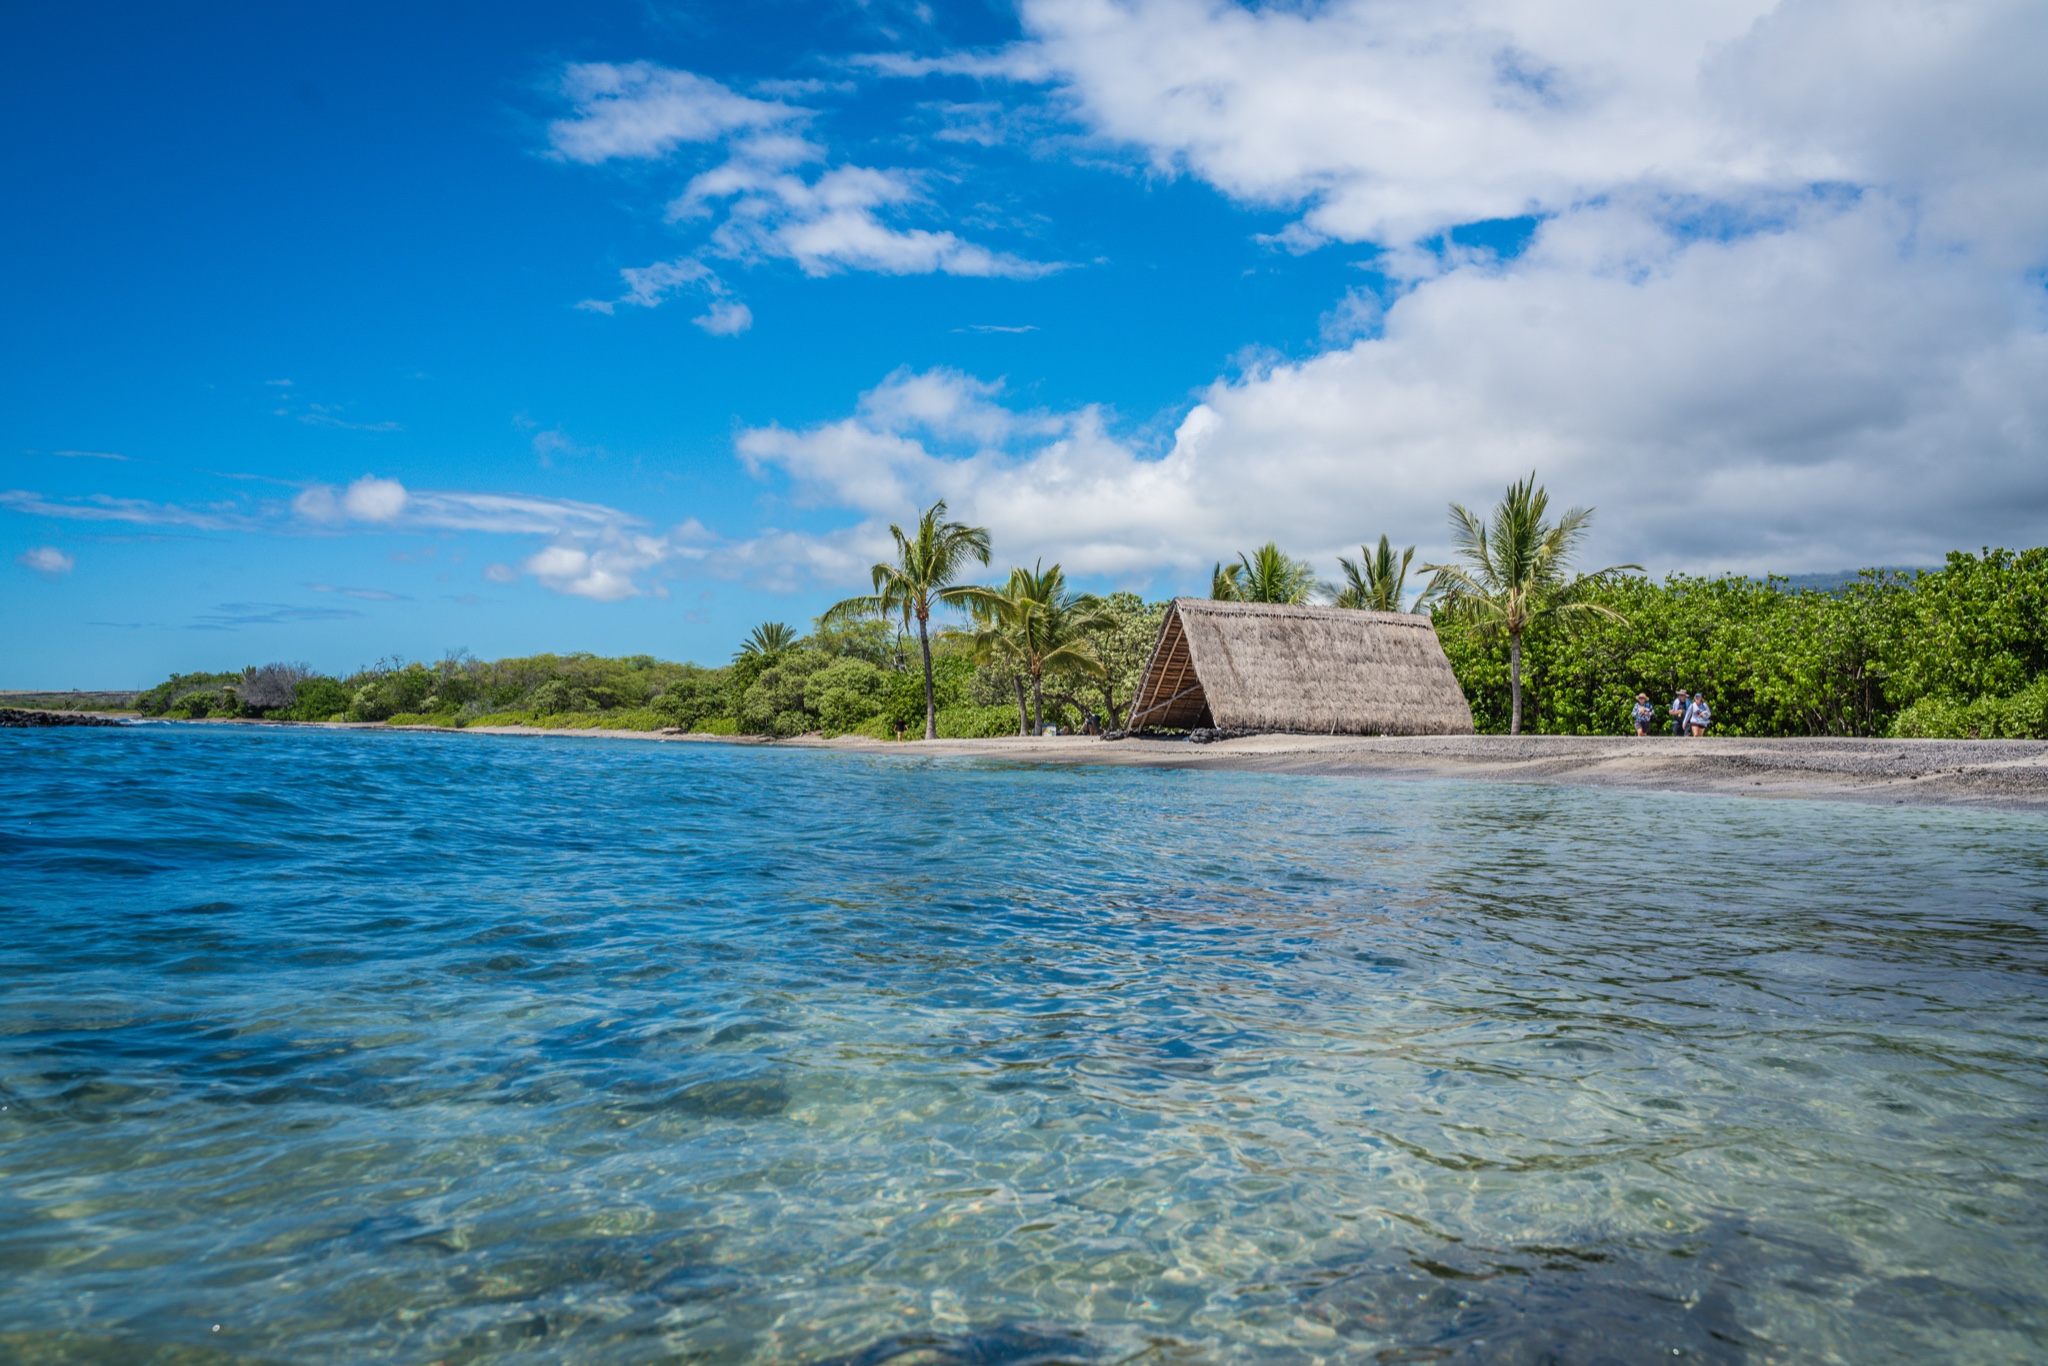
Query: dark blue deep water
{"points": [[332, 1047]]}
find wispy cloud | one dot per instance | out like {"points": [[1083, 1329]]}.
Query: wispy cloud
{"points": [[1025, 62], [649, 286], [90, 455], [47, 560], [101, 507], [762, 202], [832, 222], [232, 616], [594, 551], [321, 415], [996, 327], [640, 110], [366, 594]]}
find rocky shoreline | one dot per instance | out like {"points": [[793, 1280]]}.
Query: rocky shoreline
{"points": [[24, 718]]}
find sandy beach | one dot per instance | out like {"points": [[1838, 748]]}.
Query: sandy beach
{"points": [[1999, 774], [2009, 774]]}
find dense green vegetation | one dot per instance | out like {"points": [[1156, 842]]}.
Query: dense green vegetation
{"points": [[1958, 651], [863, 677]]}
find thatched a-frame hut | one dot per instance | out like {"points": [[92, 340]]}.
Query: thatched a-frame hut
{"points": [[1322, 670]]}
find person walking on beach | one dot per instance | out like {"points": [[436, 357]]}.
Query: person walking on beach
{"points": [[1679, 705], [1644, 714], [1699, 715]]}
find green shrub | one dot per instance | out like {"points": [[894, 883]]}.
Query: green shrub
{"points": [[202, 702], [316, 699], [973, 723], [774, 704], [878, 727], [693, 698], [2023, 716], [159, 700], [386, 695], [717, 725], [845, 693], [1932, 718], [444, 719]]}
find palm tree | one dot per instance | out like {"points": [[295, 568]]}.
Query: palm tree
{"points": [[999, 614], [920, 579], [768, 639], [1518, 574], [1268, 574], [1038, 626], [1377, 581]]}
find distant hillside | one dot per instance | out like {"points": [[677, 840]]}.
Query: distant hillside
{"points": [[1828, 583]]}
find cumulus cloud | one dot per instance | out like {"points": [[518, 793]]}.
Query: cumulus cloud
{"points": [[47, 560], [1780, 308], [1686, 469]]}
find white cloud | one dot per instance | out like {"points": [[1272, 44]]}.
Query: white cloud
{"points": [[765, 209], [501, 573], [649, 286], [833, 223], [640, 110], [47, 560], [102, 507], [370, 499], [1782, 309], [724, 318]]}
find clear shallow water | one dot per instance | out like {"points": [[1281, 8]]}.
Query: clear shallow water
{"points": [[432, 1048]]}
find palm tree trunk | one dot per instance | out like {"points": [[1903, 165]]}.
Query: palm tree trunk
{"points": [[1023, 707], [1515, 680], [1037, 704], [931, 708]]}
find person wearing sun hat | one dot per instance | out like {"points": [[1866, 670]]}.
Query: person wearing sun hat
{"points": [[1644, 715]]}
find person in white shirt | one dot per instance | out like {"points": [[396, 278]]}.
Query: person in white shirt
{"points": [[1699, 715]]}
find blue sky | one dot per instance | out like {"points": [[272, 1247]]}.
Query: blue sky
{"points": [[343, 332]]}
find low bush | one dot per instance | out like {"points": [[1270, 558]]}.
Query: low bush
{"points": [[973, 723], [2023, 716]]}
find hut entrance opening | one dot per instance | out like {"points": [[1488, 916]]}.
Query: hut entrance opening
{"points": [[1172, 693]]}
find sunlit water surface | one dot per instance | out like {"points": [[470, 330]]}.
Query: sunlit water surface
{"points": [[342, 1046]]}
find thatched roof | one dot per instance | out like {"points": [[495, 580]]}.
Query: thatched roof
{"points": [[1322, 670]]}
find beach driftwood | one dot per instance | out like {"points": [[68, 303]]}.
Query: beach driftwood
{"points": [[17, 717]]}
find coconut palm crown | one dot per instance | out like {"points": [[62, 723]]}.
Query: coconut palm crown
{"points": [[922, 577], [1268, 574], [1376, 581], [1034, 624], [768, 639], [1517, 573]]}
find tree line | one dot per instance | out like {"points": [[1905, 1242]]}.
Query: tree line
{"points": [[1959, 651]]}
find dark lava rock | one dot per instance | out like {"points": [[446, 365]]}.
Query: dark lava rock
{"points": [[15, 716]]}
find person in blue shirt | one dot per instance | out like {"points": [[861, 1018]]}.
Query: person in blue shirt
{"points": [[1644, 714], [1679, 705]]}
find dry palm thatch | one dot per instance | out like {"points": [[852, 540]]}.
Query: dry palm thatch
{"points": [[1322, 670]]}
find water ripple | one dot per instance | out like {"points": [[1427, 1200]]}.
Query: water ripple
{"points": [[437, 1048]]}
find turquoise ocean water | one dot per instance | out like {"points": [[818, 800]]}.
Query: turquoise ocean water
{"points": [[351, 1046]]}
